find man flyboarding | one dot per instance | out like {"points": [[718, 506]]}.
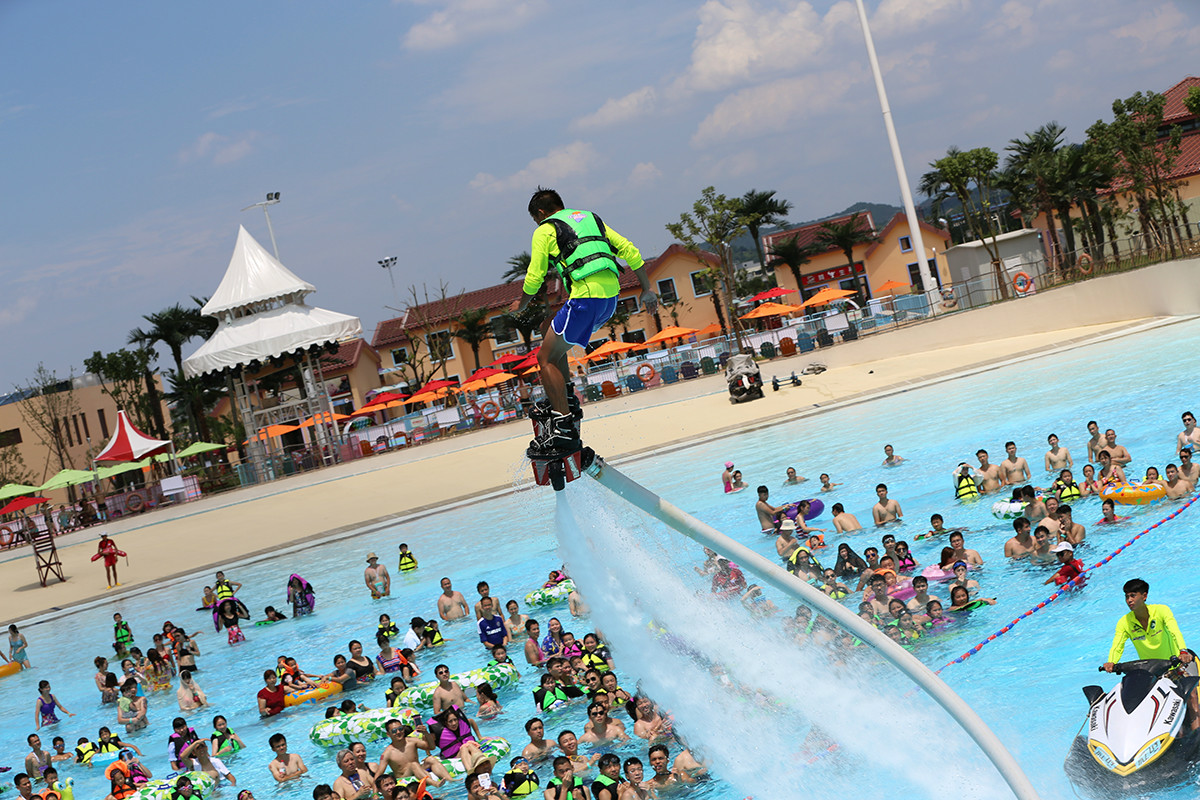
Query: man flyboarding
{"points": [[584, 251]]}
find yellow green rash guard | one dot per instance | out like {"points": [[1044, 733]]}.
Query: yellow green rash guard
{"points": [[1159, 639], [602, 284]]}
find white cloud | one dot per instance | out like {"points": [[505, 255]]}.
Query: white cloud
{"points": [[903, 16], [573, 159], [773, 107], [17, 312], [218, 148], [1014, 17], [460, 20], [644, 174], [620, 109], [1159, 30]]}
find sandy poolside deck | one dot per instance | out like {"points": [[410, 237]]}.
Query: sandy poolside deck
{"points": [[319, 506]]}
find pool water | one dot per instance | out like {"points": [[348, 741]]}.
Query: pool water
{"points": [[1025, 684]]}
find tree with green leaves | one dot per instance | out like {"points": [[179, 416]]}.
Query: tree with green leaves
{"points": [[845, 236], [141, 340], [474, 329], [715, 221], [518, 265], [970, 177], [122, 374], [1029, 174], [46, 402], [1143, 160], [619, 319], [760, 209], [710, 278], [13, 468], [793, 255], [174, 327]]}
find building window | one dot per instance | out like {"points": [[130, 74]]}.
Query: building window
{"points": [[634, 337], [86, 432], [66, 423], [399, 356], [78, 435], [666, 290], [628, 304], [914, 275], [441, 346], [905, 244], [699, 287], [103, 423], [503, 331], [10, 437]]}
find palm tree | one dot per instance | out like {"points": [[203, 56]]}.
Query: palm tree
{"points": [[474, 329], [142, 340], [1029, 172], [759, 209], [793, 255], [711, 280], [845, 236], [518, 265], [174, 327]]}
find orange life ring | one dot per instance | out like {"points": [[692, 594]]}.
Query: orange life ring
{"points": [[134, 501], [489, 410], [1022, 282], [1085, 264], [649, 368], [6, 536]]}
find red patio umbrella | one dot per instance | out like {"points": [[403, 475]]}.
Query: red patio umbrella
{"points": [[23, 502], [386, 397], [508, 358], [778, 291], [433, 386]]}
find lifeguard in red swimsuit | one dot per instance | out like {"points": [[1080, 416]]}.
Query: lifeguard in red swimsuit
{"points": [[107, 549]]}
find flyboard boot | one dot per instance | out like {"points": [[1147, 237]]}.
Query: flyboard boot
{"points": [[557, 452]]}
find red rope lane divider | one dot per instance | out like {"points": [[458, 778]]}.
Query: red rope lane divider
{"points": [[1070, 584]]}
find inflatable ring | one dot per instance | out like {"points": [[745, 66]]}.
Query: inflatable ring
{"points": [[163, 789], [6, 536], [1022, 282], [549, 596], [1006, 509], [365, 726], [421, 696], [1085, 264], [648, 375], [103, 759], [489, 410], [11, 668], [322, 691], [493, 747], [1131, 494], [135, 502]]}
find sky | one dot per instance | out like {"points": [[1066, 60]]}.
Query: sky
{"points": [[135, 132]]}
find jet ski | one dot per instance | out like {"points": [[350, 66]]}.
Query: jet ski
{"points": [[1137, 738]]}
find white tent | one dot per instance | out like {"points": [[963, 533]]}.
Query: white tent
{"points": [[253, 276]]}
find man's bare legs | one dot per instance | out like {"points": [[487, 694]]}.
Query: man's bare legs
{"points": [[552, 359]]}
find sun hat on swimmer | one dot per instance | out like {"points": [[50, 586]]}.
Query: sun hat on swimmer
{"points": [[1062, 547], [372, 557]]}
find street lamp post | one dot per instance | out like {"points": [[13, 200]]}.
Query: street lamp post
{"points": [[272, 199], [388, 263]]}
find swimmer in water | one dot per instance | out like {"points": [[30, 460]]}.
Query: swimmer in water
{"points": [[727, 477], [1110, 514], [988, 475], [793, 478], [768, 514], [1089, 485], [1177, 487], [844, 522], [1110, 471], [891, 459], [1057, 458], [1016, 468], [376, 577], [826, 486], [738, 483], [886, 510]]}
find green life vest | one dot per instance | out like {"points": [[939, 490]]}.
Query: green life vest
{"points": [[966, 488], [408, 562], [219, 739], [436, 635], [595, 662], [84, 753], [520, 784], [583, 247], [604, 782], [224, 590], [556, 782], [1067, 493], [122, 632]]}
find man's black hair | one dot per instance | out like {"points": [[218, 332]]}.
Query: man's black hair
{"points": [[762, 489], [1136, 585], [544, 200]]}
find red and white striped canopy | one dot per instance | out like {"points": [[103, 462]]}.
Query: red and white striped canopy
{"points": [[130, 444]]}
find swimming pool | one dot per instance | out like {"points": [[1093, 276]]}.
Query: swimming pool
{"points": [[1025, 684]]}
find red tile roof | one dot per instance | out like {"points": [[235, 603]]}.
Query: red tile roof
{"points": [[896, 219], [807, 234], [348, 354], [1174, 109]]}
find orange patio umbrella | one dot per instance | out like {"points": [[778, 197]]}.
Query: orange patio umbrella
{"points": [[826, 296], [708, 330], [425, 397], [487, 381], [893, 285], [271, 431], [770, 310], [609, 348], [670, 333], [322, 418]]}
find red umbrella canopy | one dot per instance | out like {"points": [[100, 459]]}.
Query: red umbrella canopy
{"points": [[484, 372], [778, 291], [433, 386], [508, 358], [386, 397], [23, 502]]}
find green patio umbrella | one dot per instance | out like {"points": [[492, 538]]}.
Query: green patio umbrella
{"points": [[199, 447], [119, 469], [65, 478], [16, 490]]}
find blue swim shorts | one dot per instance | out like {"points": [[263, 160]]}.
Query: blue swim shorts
{"points": [[580, 317]]}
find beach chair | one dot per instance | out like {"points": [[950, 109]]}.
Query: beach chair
{"points": [[669, 375], [723, 359], [609, 389], [634, 383], [804, 343], [708, 366], [592, 393], [824, 339], [767, 349], [850, 334], [787, 347], [689, 370]]}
